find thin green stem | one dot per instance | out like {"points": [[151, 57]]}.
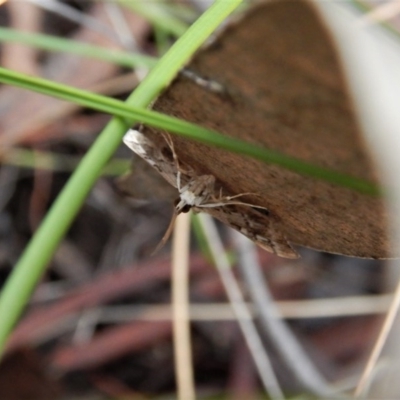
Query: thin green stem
{"points": [[183, 128], [45, 160], [157, 14], [52, 43]]}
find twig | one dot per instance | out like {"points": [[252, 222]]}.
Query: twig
{"points": [[379, 14], [180, 299], [380, 342], [296, 309]]}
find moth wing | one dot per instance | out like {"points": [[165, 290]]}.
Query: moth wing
{"points": [[140, 145], [146, 149], [254, 225]]}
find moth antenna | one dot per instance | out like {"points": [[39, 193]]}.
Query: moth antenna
{"points": [[230, 203], [170, 143], [166, 236], [228, 198]]}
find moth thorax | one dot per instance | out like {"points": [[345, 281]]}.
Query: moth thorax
{"points": [[189, 197]]}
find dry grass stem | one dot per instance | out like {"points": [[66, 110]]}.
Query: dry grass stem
{"points": [[380, 342], [381, 13], [180, 304], [273, 325], [242, 312]]}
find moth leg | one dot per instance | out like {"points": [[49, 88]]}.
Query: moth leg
{"points": [[167, 234], [178, 181]]}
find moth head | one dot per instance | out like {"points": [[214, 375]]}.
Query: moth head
{"points": [[181, 206], [186, 208]]}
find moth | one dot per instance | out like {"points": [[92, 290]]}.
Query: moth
{"points": [[198, 193]]}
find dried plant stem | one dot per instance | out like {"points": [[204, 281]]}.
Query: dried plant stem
{"points": [[380, 14], [376, 351], [180, 304], [242, 312], [272, 323]]}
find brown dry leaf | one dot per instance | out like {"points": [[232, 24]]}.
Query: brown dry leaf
{"points": [[287, 93]]}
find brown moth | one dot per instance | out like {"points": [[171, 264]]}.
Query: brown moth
{"points": [[197, 192]]}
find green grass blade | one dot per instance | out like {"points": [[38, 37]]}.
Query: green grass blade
{"points": [[157, 15], [189, 130], [48, 161], [52, 43], [38, 253]]}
